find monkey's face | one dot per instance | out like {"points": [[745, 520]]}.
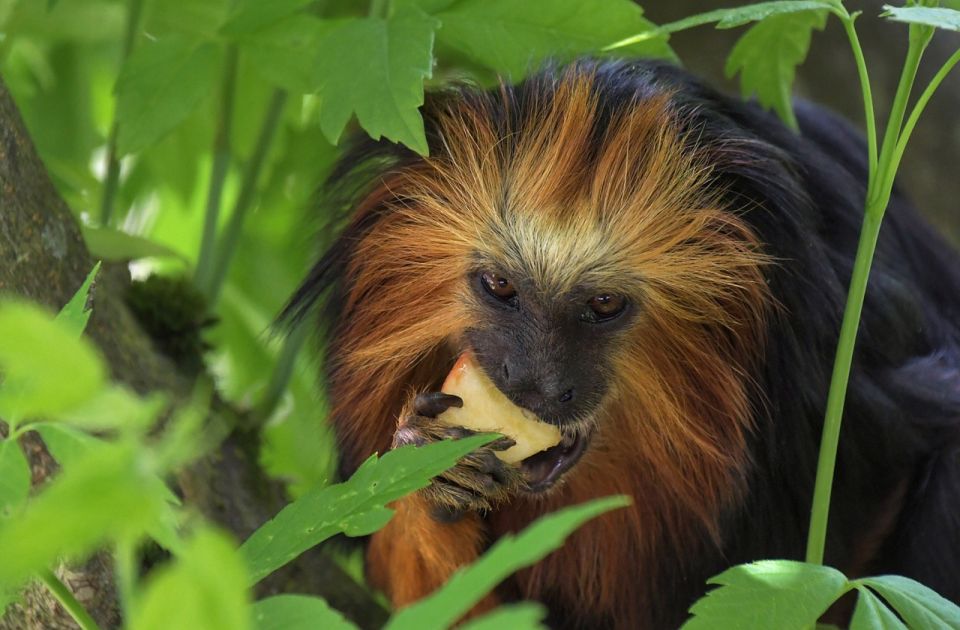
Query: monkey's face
{"points": [[549, 350]]}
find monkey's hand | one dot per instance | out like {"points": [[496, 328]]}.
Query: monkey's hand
{"points": [[478, 482]]}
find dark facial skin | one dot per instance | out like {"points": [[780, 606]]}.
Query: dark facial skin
{"points": [[547, 353]]}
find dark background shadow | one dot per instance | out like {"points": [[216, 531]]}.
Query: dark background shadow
{"points": [[931, 166]]}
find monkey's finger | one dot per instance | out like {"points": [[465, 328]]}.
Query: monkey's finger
{"points": [[454, 497], [502, 444], [447, 513], [472, 480], [432, 404]]}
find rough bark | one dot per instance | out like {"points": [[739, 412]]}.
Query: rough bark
{"points": [[43, 257]]}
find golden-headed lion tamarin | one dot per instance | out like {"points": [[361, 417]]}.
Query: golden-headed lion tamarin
{"points": [[660, 271]]}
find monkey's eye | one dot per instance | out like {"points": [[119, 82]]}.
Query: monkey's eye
{"points": [[498, 286], [606, 306]]}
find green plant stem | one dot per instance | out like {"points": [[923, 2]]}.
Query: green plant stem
{"points": [[231, 235], [878, 193], [864, 77], [125, 563], [895, 123], [920, 105], [67, 600], [112, 181], [282, 371], [218, 171]]}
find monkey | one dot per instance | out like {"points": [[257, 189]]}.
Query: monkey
{"points": [[659, 270]]}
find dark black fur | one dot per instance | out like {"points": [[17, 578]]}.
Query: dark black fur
{"points": [[804, 195]]}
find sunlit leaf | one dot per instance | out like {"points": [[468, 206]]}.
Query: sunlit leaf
{"points": [[525, 616], [115, 245], [514, 37], [782, 594], [251, 16], [67, 445], [204, 588], [76, 313], [287, 52], [106, 495], [297, 612], [873, 614], [114, 407], [510, 553], [161, 84], [356, 503], [920, 606], [937, 17], [14, 477], [47, 369], [384, 85], [767, 56]]}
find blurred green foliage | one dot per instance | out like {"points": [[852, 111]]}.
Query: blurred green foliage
{"points": [[190, 138]]}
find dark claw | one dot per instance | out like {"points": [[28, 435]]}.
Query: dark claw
{"points": [[432, 404], [502, 444]]}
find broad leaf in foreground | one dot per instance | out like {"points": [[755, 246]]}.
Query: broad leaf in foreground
{"points": [[375, 68], [161, 84], [873, 614], [14, 477], [107, 495], [47, 369], [355, 507], [205, 587], [513, 37], [76, 313], [767, 56], [509, 554], [782, 594], [919, 605], [297, 612], [946, 19], [524, 616]]}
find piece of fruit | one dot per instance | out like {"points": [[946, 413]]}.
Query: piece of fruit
{"points": [[486, 409]]}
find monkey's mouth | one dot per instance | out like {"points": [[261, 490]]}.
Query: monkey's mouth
{"points": [[543, 470]]}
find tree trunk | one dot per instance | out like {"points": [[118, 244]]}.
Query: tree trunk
{"points": [[43, 257]]}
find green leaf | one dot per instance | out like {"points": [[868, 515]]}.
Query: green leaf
{"points": [[738, 16], [384, 85], [781, 594], [320, 514], [47, 369], [67, 444], [525, 616], [919, 605], [76, 313], [205, 587], [513, 37], [872, 614], [946, 19], [14, 477], [115, 407], [107, 495], [251, 16], [510, 553], [286, 54], [767, 56], [114, 245], [160, 85], [297, 612]]}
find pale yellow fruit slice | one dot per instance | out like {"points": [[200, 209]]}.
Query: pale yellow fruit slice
{"points": [[486, 409]]}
